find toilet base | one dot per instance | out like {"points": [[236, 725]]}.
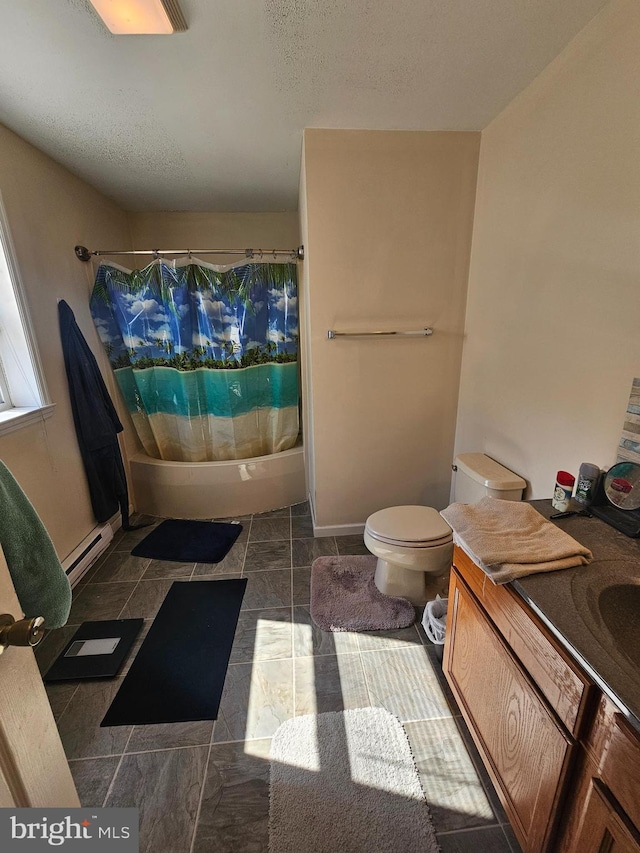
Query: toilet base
{"points": [[419, 587]]}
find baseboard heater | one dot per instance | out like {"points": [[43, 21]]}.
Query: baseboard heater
{"points": [[84, 556]]}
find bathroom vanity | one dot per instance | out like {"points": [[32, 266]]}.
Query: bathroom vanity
{"points": [[545, 673]]}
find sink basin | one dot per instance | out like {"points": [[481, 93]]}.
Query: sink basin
{"points": [[619, 607], [607, 598]]}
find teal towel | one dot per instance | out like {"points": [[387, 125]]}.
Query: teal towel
{"points": [[41, 584]]}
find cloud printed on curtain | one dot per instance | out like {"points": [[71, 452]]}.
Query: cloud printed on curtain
{"points": [[205, 356]]}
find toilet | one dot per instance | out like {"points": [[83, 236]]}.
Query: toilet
{"points": [[414, 544]]}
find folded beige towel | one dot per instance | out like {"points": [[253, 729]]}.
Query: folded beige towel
{"points": [[510, 539]]}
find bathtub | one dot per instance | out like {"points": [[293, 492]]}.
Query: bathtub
{"points": [[217, 489]]}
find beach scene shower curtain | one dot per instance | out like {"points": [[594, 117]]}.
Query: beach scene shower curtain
{"points": [[206, 356]]}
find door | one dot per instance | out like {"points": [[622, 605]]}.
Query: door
{"points": [[524, 748], [605, 827], [33, 767]]}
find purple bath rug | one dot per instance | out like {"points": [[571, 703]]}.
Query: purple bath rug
{"points": [[345, 598]]}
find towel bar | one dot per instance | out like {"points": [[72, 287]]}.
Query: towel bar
{"points": [[420, 333]]}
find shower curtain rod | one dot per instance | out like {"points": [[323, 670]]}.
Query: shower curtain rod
{"points": [[83, 254]]}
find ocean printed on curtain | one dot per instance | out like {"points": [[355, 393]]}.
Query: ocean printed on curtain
{"points": [[205, 356]]}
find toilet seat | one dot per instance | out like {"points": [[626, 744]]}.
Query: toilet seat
{"points": [[409, 527]]}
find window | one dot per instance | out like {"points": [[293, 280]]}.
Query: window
{"points": [[23, 393], [5, 400]]}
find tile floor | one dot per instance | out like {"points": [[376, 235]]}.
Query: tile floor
{"points": [[204, 786]]}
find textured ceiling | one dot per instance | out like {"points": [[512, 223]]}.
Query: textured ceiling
{"points": [[212, 119]]}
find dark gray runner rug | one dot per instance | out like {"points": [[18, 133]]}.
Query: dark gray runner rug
{"points": [[178, 674]]}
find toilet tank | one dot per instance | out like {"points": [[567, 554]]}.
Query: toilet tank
{"points": [[478, 476]]}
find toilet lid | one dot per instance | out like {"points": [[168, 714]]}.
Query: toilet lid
{"points": [[409, 525]]}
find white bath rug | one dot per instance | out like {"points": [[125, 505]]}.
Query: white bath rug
{"points": [[346, 782]]}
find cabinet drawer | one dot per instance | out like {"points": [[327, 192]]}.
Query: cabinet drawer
{"points": [[560, 681], [615, 747], [524, 747]]}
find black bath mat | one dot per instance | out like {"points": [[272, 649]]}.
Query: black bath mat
{"points": [[85, 657], [179, 672], [189, 541]]}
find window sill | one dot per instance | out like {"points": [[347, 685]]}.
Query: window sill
{"points": [[18, 417]]}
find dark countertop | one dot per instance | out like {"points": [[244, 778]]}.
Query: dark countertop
{"points": [[566, 601]]}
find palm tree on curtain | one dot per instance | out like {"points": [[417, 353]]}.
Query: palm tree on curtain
{"points": [[157, 277], [241, 283], [227, 349], [236, 285]]}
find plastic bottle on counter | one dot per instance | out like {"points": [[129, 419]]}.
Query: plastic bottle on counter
{"points": [[588, 477], [563, 491]]}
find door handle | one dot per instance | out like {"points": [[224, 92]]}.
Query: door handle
{"points": [[24, 632]]}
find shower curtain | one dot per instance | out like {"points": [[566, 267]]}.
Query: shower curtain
{"points": [[205, 356]]}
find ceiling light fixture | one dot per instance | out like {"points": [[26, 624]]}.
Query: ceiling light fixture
{"points": [[141, 17]]}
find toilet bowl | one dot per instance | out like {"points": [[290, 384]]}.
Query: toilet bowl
{"points": [[414, 544], [414, 547]]}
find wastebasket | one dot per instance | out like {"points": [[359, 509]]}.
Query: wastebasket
{"points": [[434, 619]]}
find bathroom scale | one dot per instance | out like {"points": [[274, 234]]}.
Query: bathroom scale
{"points": [[96, 650]]}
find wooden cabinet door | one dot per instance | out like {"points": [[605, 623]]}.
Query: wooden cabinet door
{"points": [[524, 747], [604, 827]]}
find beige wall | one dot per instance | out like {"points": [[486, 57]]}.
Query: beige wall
{"points": [[304, 318], [388, 228], [214, 231], [553, 317], [49, 212]]}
